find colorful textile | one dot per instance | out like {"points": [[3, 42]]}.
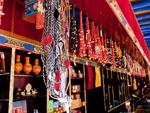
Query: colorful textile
{"points": [[90, 75], [31, 7], [97, 77]]}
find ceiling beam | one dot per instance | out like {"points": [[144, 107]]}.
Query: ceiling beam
{"points": [[134, 0], [142, 12]]}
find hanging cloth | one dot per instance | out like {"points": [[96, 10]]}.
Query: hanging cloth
{"points": [[97, 77], [134, 84], [90, 77]]}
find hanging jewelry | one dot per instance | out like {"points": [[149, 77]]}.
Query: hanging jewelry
{"points": [[88, 39], [54, 50], [82, 46], [73, 36]]}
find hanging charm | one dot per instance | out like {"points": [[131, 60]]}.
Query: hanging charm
{"points": [[73, 36], [82, 46], [88, 39]]}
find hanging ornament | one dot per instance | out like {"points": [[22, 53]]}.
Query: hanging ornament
{"points": [[55, 50], [113, 54], [100, 58], [73, 36], [82, 46], [1, 10], [97, 43], [88, 39], [108, 42], [116, 55], [105, 52], [92, 40]]}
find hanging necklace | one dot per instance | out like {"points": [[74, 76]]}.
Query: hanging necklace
{"points": [[54, 53]]}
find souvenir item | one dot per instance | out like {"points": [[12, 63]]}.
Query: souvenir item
{"points": [[97, 77], [92, 30], [55, 50], [73, 33], [90, 82], [82, 46], [36, 68], [113, 54], [100, 58], [18, 65], [27, 66], [28, 89], [73, 36], [2, 62], [88, 39]]}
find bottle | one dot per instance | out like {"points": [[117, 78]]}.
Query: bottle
{"points": [[18, 65], [27, 67], [36, 68]]}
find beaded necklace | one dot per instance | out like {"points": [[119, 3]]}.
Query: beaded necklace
{"points": [[54, 52]]}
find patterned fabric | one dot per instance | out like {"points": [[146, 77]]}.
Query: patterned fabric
{"points": [[90, 82], [31, 7]]}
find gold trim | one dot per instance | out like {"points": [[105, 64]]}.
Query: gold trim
{"points": [[23, 38], [135, 0], [142, 12]]}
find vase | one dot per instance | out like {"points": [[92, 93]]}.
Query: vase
{"points": [[27, 66], [36, 68], [18, 65]]}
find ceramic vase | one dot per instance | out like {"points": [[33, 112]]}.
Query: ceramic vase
{"points": [[18, 65], [27, 66], [36, 68]]}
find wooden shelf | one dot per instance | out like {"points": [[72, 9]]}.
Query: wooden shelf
{"points": [[32, 76], [29, 97], [117, 106], [4, 100], [82, 105], [3, 74]]}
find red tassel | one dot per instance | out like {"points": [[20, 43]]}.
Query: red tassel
{"points": [[67, 63], [57, 75], [57, 86]]}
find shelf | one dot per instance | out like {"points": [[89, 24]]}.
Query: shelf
{"points": [[117, 106], [82, 105], [4, 100], [76, 78], [86, 61], [3, 74], [32, 76], [29, 97]]}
